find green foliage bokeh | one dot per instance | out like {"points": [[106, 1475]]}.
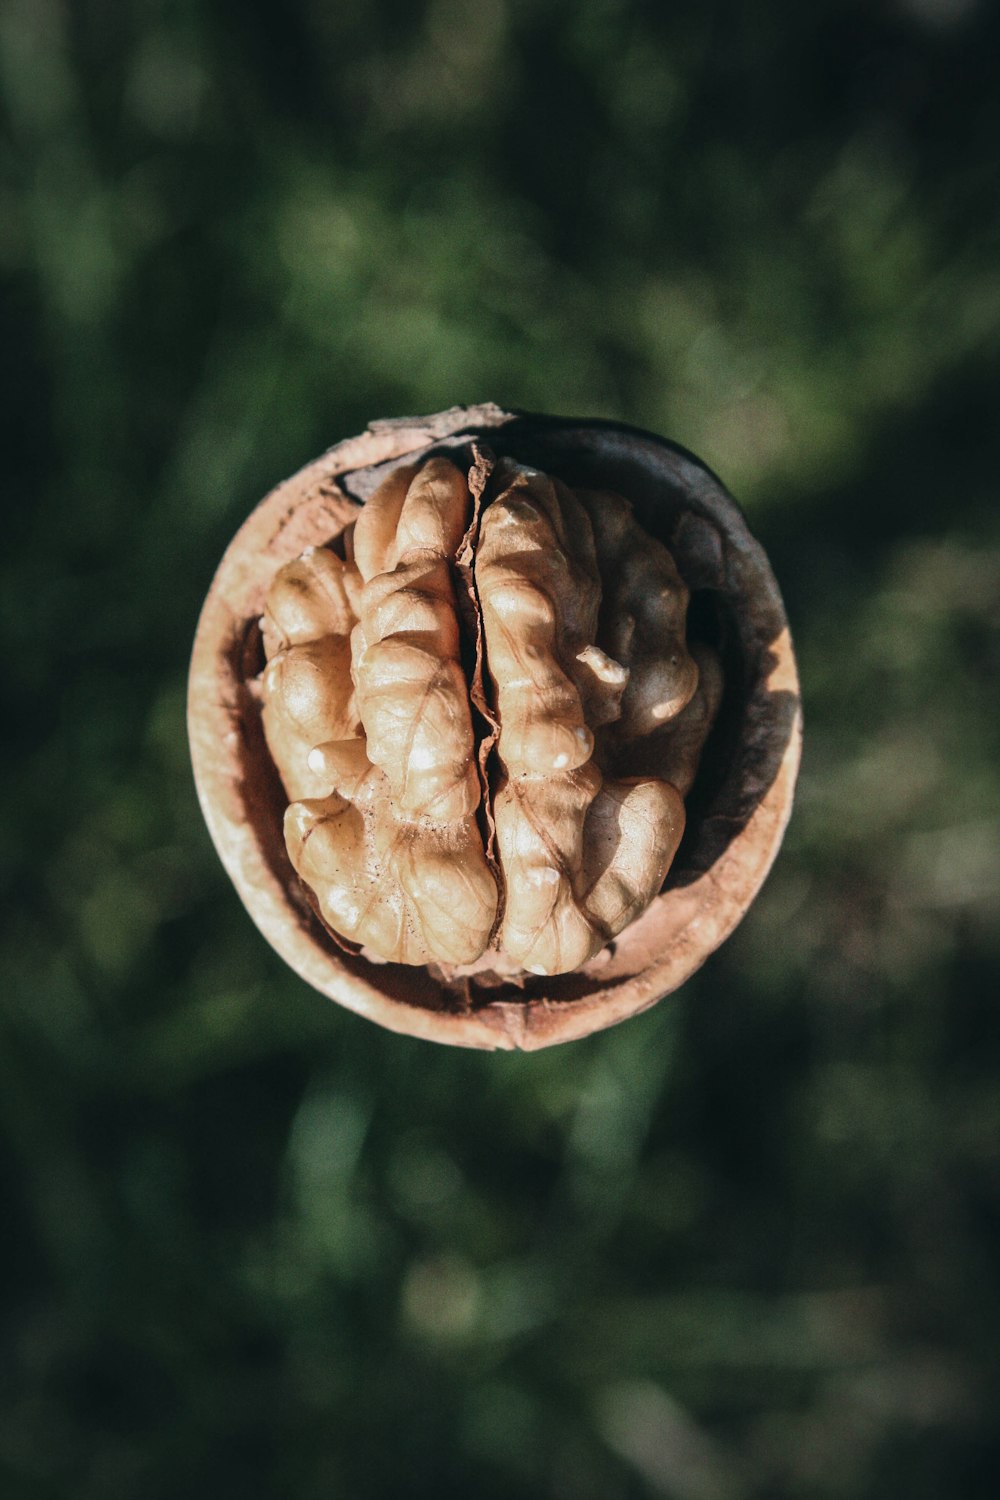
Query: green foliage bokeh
{"points": [[746, 1245]]}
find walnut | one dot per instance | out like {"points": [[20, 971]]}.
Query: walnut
{"points": [[476, 766]]}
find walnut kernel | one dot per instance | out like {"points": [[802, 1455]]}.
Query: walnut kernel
{"points": [[580, 620]]}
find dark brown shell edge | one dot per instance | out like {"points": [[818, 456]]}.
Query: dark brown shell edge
{"points": [[734, 831]]}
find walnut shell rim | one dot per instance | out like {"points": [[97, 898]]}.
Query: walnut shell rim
{"points": [[733, 837]]}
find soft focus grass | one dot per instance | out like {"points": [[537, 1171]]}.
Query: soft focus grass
{"points": [[744, 1246]]}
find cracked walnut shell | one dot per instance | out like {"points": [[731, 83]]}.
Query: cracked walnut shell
{"points": [[495, 723]]}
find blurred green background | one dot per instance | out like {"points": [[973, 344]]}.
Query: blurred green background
{"points": [[746, 1245]]}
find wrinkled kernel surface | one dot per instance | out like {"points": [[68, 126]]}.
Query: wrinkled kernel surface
{"points": [[595, 716]]}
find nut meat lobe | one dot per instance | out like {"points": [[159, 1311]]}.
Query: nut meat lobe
{"points": [[581, 857], [391, 850], [367, 716]]}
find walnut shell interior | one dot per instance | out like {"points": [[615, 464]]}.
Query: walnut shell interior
{"points": [[736, 810]]}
